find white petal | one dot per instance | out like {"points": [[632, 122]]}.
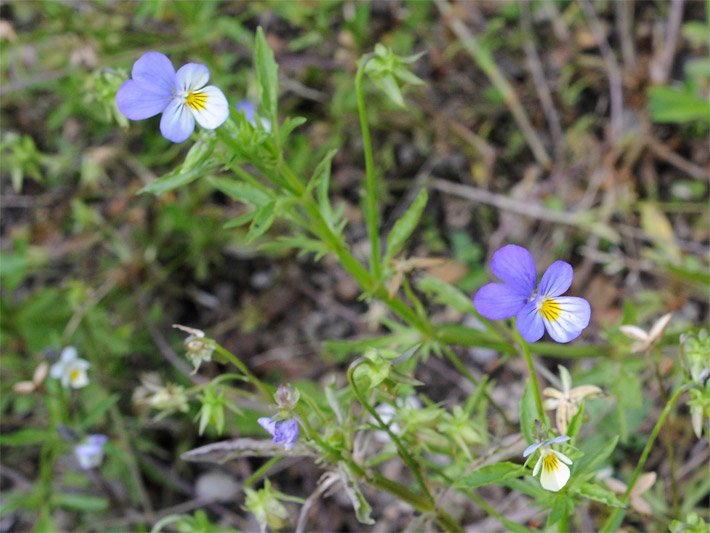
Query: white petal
{"points": [[191, 77], [562, 457], [537, 466], [554, 480], [573, 317], [216, 109], [57, 370], [634, 332], [177, 123], [660, 326], [81, 380]]}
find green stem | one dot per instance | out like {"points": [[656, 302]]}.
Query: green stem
{"points": [[614, 519], [371, 214], [244, 369], [533, 376], [466, 373], [406, 457], [261, 471]]}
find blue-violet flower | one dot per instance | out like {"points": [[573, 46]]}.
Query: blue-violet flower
{"points": [[536, 309], [283, 431], [182, 97], [90, 453]]}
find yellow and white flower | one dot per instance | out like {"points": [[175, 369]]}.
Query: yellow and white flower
{"points": [[70, 369], [551, 465]]}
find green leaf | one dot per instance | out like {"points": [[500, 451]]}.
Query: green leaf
{"points": [[446, 294], [267, 72], [79, 502], [590, 461], [491, 474], [240, 220], [173, 180], [599, 494], [528, 413], [291, 124], [404, 227], [352, 490], [576, 423], [25, 437], [242, 192], [99, 410], [562, 506], [263, 219], [668, 104]]}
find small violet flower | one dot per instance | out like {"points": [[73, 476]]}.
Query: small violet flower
{"points": [[536, 308], [552, 465], [70, 369], [183, 97], [90, 453], [283, 431]]}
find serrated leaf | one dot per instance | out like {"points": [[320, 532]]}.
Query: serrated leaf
{"points": [[599, 494], [404, 227], [491, 474], [528, 413], [446, 294], [242, 192], [267, 72]]}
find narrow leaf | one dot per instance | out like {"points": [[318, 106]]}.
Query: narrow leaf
{"points": [[491, 474], [242, 192], [267, 74], [404, 227]]}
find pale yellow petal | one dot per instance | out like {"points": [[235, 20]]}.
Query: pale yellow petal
{"points": [[583, 391], [659, 327], [644, 482], [552, 393], [634, 332]]}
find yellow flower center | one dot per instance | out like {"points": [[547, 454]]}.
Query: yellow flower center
{"points": [[196, 100], [550, 462], [74, 374], [550, 309]]}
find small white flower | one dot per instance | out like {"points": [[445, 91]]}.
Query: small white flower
{"points": [[644, 340], [551, 465], [70, 369], [90, 453], [568, 400]]}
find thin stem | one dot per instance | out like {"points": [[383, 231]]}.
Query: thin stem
{"points": [[614, 519], [533, 376], [458, 364], [406, 457], [244, 369], [371, 213]]}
